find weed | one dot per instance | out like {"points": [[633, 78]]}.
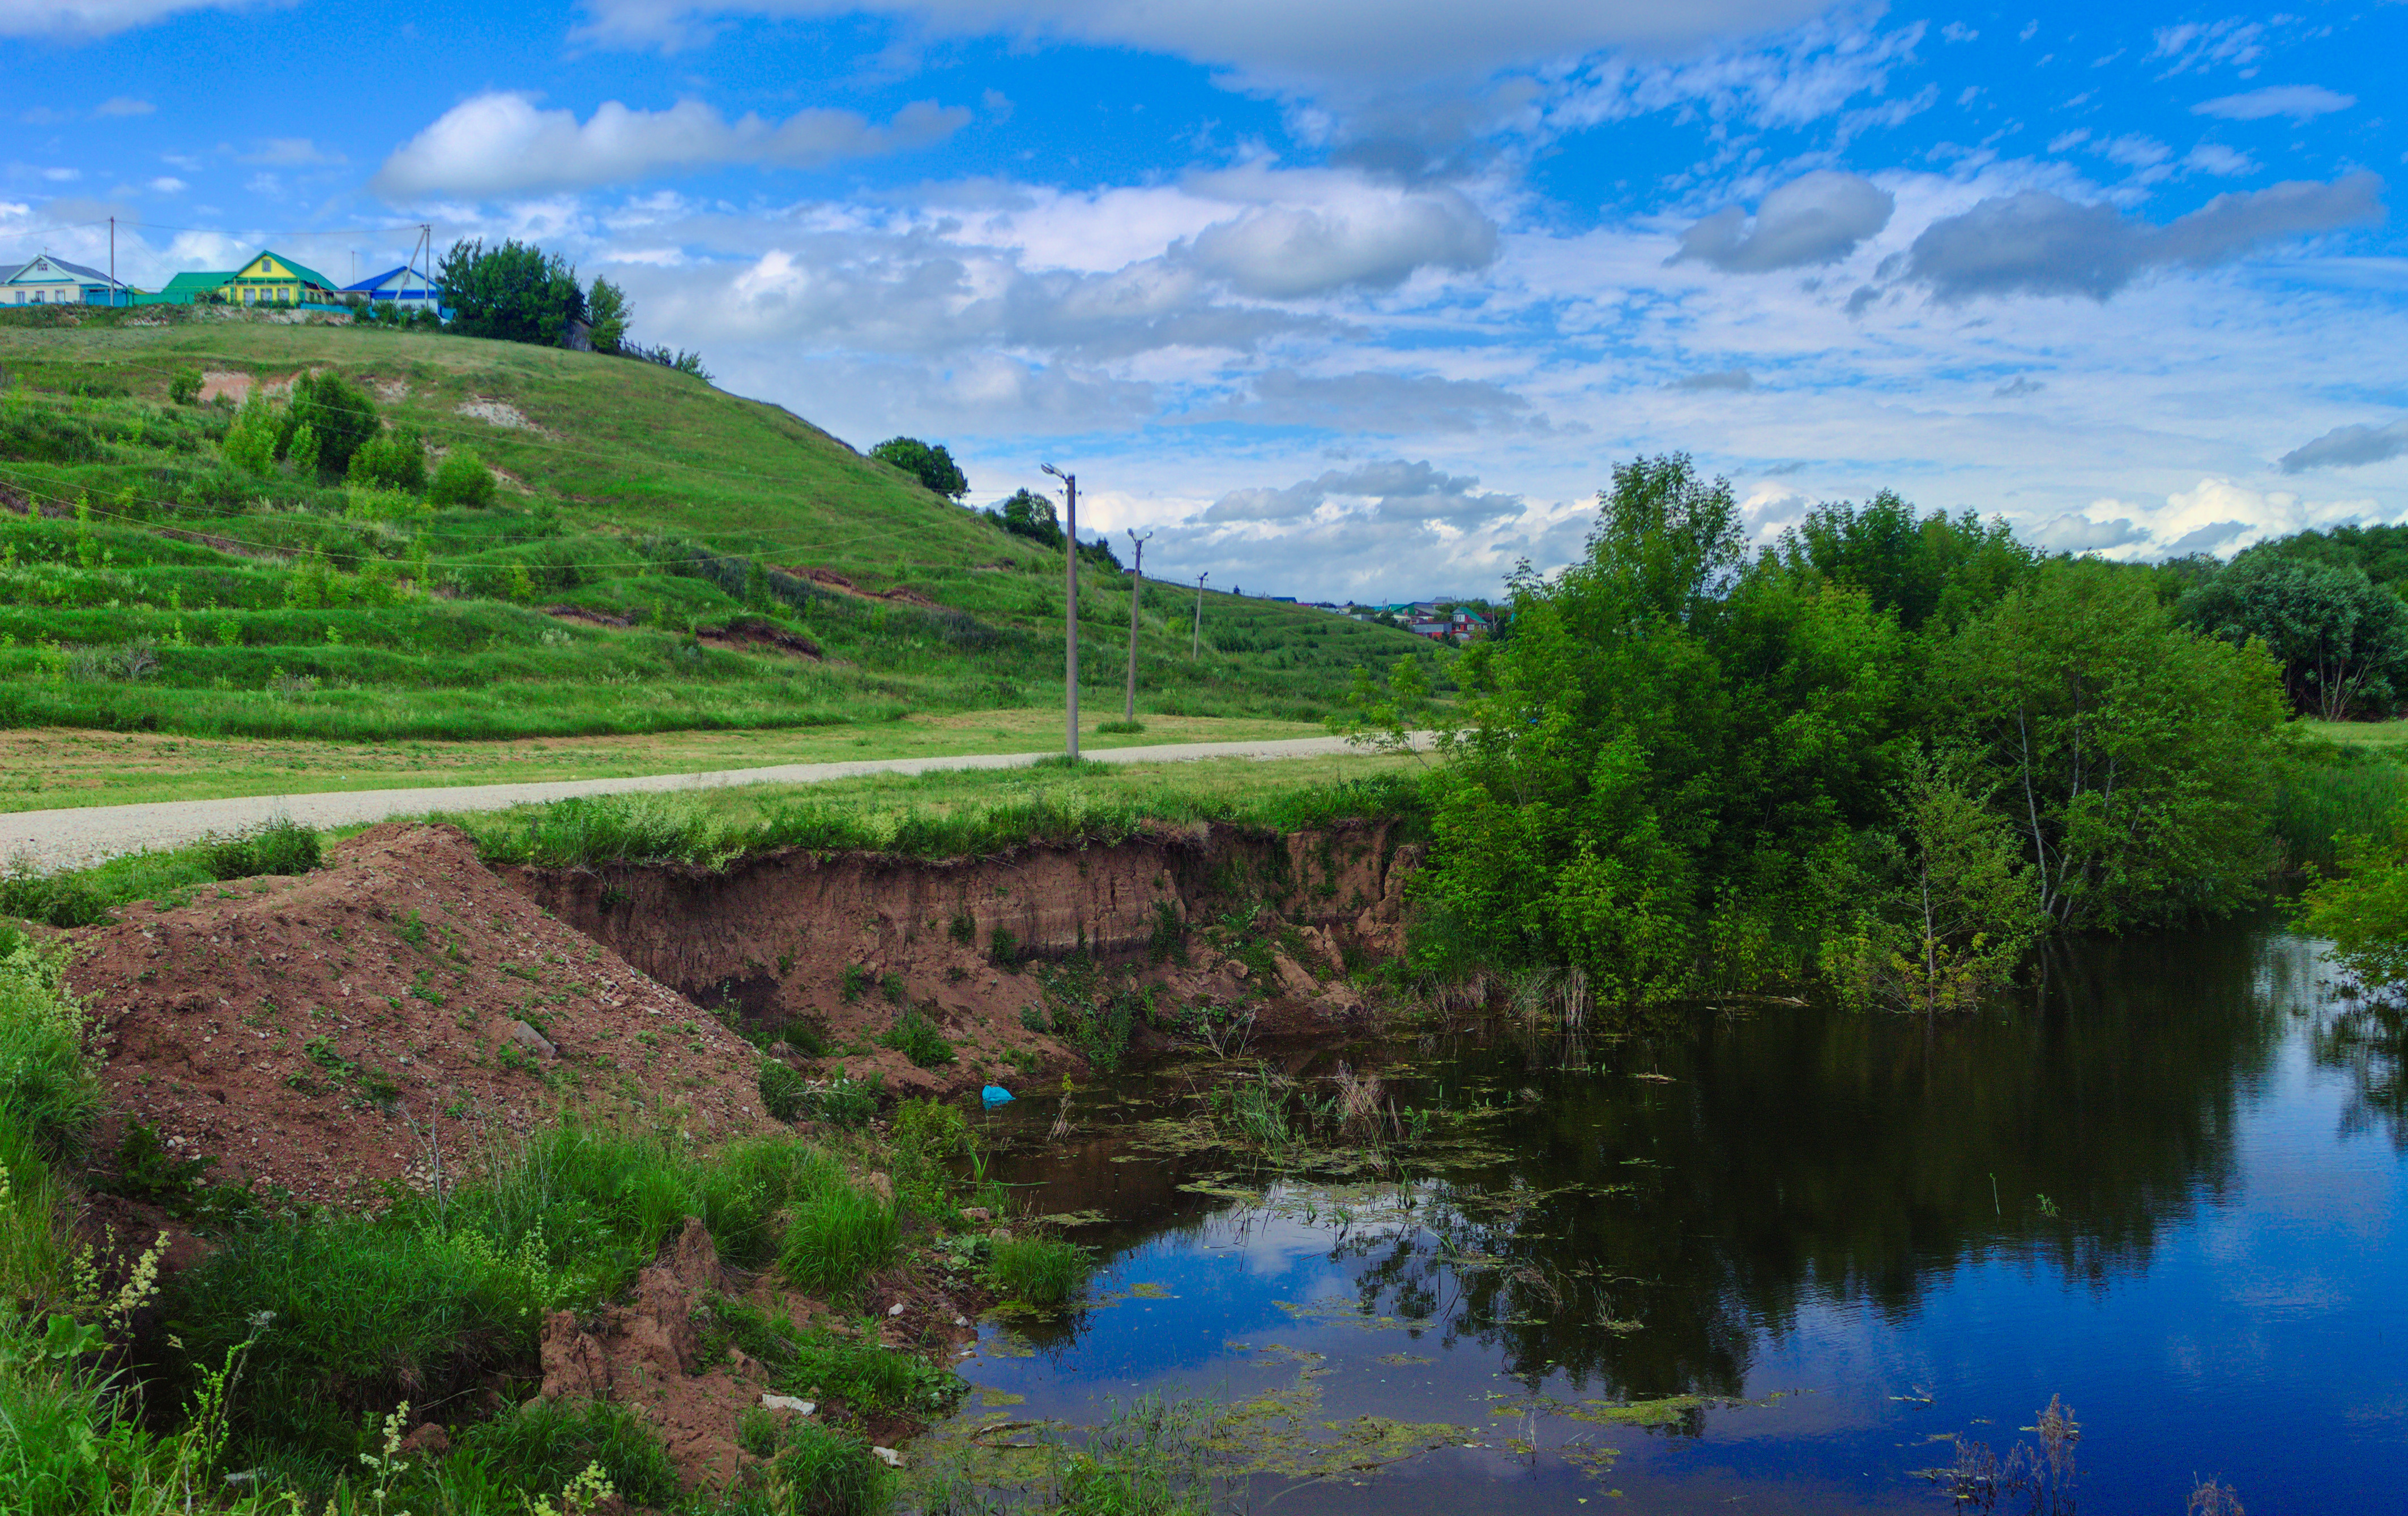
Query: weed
{"points": [[963, 928], [411, 930], [280, 847], [855, 976], [1045, 1272], [1003, 949], [844, 1102], [891, 986], [836, 1235], [1118, 728], [917, 1039], [826, 1472], [1167, 942], [783, 1091], [544, 1444]]}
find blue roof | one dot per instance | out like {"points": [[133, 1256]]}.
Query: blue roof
{"points": [[368, 286]]}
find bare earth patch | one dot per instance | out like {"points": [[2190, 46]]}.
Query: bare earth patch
{"points": [[496, 413]]}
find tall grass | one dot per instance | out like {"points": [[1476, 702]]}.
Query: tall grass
{"points": [[86, 896], [2350, 793], [1045, 1272], [837, 1235], [50, 1101]]}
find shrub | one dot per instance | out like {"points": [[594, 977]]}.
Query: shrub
{"points": [[395, 459], [848, 1102], [784, 1093], [1039, 1271], [49, 1094], [916, 1037], [461, 480], [184, 385], [281, 846], [931, 1128], [837, 1235]]}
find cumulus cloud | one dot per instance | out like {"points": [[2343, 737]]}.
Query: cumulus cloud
{"points": [[499, 144], [1283, 252], [2074, 532], [2300, 102], [2036, 242], [75, 20], [1720, 379], [1817, 218], [1273, 40], [2207, 539], [2346, 447]]}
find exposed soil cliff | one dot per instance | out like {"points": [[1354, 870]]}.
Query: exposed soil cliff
{"points": [[1208, 915]]}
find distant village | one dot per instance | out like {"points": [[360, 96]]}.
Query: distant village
{"points": [[1440, 620], [268, 278]]}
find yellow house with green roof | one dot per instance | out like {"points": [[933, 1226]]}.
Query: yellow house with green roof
{"points": [[273, 279]]}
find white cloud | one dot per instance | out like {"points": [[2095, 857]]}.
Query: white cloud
{"points": [[2200, 45], [1274, 40], [75, 20], [501, 144], [2348, 447], [1374, 240], [2298, 102], [123, 106], [2215, 158], [167, 185], [292, 152]]}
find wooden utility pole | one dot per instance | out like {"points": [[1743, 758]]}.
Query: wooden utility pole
{"points": [[112, 260], [1137, 589], [1070, 607], [1195, 639]]}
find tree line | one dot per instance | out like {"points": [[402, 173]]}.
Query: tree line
{"points": [[1885, 756], [515, 291]]}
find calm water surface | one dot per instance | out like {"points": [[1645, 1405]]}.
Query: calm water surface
{"points": [[2170, 1189]]}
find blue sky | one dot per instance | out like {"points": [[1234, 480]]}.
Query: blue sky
{"points": [[1362, 299]]}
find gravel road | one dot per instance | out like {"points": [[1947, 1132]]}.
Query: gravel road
{"points": [[45, 840]]}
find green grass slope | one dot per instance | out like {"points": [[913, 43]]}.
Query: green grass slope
{"points": [[647, 564]]}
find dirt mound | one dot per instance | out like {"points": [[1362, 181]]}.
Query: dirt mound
{"points": [[830, 579], [334, 1031]]}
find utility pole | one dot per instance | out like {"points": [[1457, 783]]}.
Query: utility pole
{"points": [[1071, 605], [1137, 589], [112, 260], [1196, 641]]}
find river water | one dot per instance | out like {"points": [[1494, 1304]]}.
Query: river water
{"points": [[1812, 1247]]}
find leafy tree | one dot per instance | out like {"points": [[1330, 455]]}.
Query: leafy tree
{"points": [[2135, 756], [2342, 640], [2364, 912], [516, 291], [1936, 568], [341, 417], [395, 460], [461, 480], [1030, 515], [931, 465], [607, 315], [184, 385]]}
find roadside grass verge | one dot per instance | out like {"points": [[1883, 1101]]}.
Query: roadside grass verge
{"points": [[85, 896]]}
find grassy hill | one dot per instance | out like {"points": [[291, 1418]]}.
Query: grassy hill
{"points": [[660, 557]]}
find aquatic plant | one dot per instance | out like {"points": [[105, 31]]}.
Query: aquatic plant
{"points": [[1039, 1271]]}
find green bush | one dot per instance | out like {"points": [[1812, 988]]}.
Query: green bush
{"points": [[61, 900], [837, 1235], [1039, 1271], [916, 1037], [281, 846], [931, 1128], [393, 458], [184, 385], [461, 480], [50, 1096], [847, 1103]]}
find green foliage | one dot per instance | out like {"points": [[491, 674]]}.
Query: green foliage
{"points": [[784, 1093], [461, 480], [277, 847], [916, 1037], [515, 291], [823, 1471], [50, 1096], [2137, 758], [2342, 640], [2329, 793], [336, 413], [846, 1103], [1030, 515], [2364, 909], [1045, 1272], [541, 1445], [606, 312], [1680, 771], [931, 465], [249, 443], [837, 1235], [184, 385], [930, 1129], [394, 460]]}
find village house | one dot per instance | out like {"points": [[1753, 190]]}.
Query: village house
{"points": [[408, 288], [49, 280]]}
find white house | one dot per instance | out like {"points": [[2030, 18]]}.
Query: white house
{"points": [[54, 281]]}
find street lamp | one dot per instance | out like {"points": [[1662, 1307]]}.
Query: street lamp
{"points": [[1071, 604], [1195, 640]]}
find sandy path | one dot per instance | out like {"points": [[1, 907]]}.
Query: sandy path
{"points": [[44, 840]]}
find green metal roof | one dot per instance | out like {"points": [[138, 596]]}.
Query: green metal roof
{"points": [[311, 275], [194, 283]]}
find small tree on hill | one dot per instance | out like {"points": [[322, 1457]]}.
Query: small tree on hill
{"points": [[607, 315], [931, 465], [395, 460], [461, 480], [336, 413], [1029, 515]]}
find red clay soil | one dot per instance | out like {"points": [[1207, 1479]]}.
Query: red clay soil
{"points": [[330, 1032], [847, 940]]}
